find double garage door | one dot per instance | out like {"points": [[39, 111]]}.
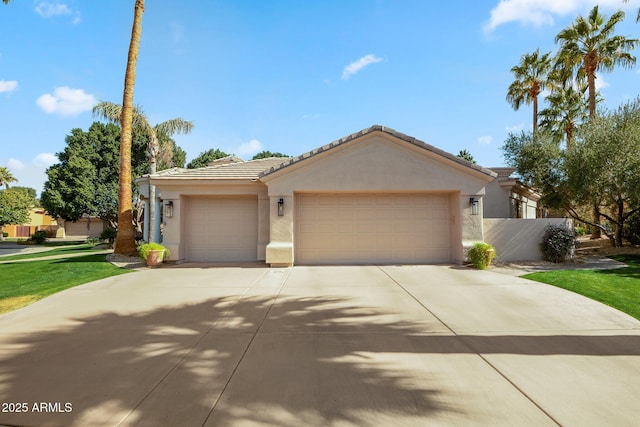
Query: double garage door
{"points": [[372, 228], [222, 229]]}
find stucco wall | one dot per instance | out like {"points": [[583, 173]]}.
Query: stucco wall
{"points": [[519, 239]]}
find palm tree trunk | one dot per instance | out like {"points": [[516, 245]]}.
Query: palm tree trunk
{"points": [[596, 233], [126, 238], [535, 114]]}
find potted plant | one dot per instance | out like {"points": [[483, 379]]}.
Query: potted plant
{"points": [[153, 253]]}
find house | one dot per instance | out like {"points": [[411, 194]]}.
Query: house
{"points": [[376, 196], [39, 220], [84, 228], [510, 198]]}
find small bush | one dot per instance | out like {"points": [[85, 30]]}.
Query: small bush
{"points": [[580, 231], [5, 234], [108, 234], [558, 244], [481, 255], [39, 237], [143, 250], [92, 240], [631, 229]]}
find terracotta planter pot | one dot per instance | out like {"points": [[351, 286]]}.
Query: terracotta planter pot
{"points": [[155, 258]]}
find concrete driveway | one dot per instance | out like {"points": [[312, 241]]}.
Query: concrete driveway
{"points": [[318, 346]]}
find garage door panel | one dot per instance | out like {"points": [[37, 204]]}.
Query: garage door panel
{"points": [[222, 229], [379, 228]]}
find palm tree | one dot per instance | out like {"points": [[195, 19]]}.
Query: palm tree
{"points": [[6, 177], [531, 79], [126, 238], [588, 46], [112, 112], [466, 155], [567, 109]]}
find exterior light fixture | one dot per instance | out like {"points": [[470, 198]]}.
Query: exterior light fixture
{"points": [[474, 205], [281, 207], [168, 209]]}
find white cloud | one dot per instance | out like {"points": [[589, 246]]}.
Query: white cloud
{"points": [[515, 128], [542, 12], [66, 101], [601, 83], [358, 65], [485, 140], [45, 160], [8, 85], [15, 164], [311, 116], [49, 10], [177, 32], [250, 148]]}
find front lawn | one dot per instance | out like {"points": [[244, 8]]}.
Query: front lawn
{"points": [[23, 283], [619, 288]]}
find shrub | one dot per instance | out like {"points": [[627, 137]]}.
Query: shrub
{"points": [[631, 229], [143, 250], [558, 244], [481, 255], [5, 234], [108, 234], [580, 231], [39, 237]]}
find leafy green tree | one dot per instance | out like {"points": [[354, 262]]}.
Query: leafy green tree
{"points": [[531, 77], [205, 158], [6, 177], [266, 154], [466, 155], [603, 161], [606, 163], [588, 46], [14, 206], [85, 181]]}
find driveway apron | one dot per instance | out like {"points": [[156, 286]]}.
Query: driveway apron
{"points": [[200, 345]]}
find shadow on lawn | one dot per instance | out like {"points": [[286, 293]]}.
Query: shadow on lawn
{"points": [[169, 366], [632, 270]]}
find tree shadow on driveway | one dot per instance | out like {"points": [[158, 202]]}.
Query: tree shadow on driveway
{"points": [[210, 364]]}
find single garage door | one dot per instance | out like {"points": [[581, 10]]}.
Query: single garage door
{"points": [[222, 229], [372, 228]]}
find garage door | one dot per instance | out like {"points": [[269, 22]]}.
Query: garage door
{"points": [[372, 228], [222, 229]]}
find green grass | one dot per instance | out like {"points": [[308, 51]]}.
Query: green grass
{"points": [[618, 288], [22, 283], [58, 250]]}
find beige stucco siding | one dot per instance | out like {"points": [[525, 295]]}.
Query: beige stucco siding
{"points": [[376, 163]]}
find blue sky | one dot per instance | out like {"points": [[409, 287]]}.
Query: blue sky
{"points": [[284, 76]]}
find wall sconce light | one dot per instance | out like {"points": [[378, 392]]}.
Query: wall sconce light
{"points": [[474, 206], [281, 207], [168, 209]]}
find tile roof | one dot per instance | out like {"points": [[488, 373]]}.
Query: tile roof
{"points": [[242, 170], [387, 130]]}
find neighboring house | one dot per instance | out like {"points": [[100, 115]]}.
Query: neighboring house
{"points": [[83, 228], [376, 196], [507, 197], [38, 220]]}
